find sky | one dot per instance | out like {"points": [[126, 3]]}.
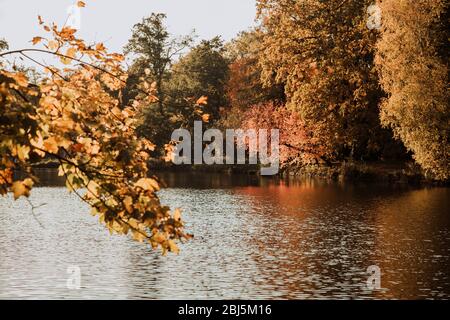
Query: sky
{"points": [[110, 21]]}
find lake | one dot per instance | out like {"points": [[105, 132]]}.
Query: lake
{"points": [[254, 239]]}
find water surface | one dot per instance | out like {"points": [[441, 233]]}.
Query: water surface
{"points": [[254, 239]]}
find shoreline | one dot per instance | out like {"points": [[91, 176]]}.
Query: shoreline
{"points": [[403, 173]]}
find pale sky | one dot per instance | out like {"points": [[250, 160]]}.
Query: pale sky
{"points": [[110, 21]]}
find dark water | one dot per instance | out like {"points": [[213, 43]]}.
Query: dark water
{"points": [[255, 239]]}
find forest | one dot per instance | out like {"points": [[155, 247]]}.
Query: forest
{"points": [[343, 85]]}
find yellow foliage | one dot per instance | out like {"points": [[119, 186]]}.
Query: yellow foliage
{"points": [[414, 73], [148, 184], [72, 118]]}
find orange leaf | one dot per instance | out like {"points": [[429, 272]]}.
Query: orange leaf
{"points": [[23, 152], [128, 202], [71, 52], [148, 184], [177, 215], [205, 117], [36, 40], [100, 47], [21, 79], [52, 45], [22, 188], [203, 100], [50, 145]]}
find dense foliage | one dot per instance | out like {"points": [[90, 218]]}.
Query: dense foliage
{"points": [[412, 56], [75, 116], [298, 144], [178, 82], [201, 72], [323, 53]]}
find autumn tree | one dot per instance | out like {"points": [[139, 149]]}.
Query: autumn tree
{"points": [[298, 144], [244, 87], [73, 116], [323, 52], [412, 56]]}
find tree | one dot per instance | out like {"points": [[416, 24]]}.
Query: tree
{"points": [[412, 56], [298, 145], [154, 50], [203, 72], [75, 117], [322, 51], [245, 87]]}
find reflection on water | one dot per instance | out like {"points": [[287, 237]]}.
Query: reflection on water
{"points": [[256, 239]]}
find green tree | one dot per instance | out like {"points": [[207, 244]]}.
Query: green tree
{"points": [[203, 72], [413, 57], [154, 50]]}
